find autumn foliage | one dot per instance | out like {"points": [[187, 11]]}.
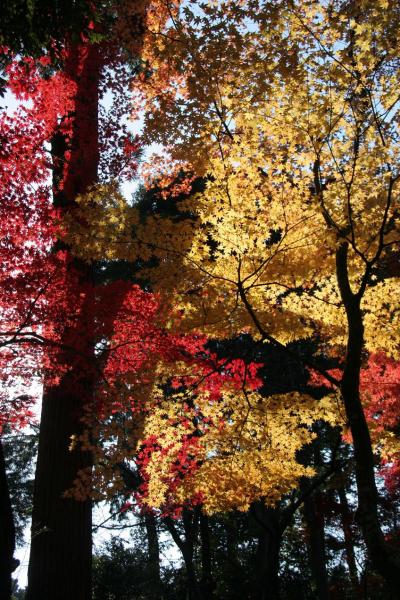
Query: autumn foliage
{"points": [[268, 216]]}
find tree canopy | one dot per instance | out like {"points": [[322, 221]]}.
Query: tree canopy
{"points": [[228, 339]]}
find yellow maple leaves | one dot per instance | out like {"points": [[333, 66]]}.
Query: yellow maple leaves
{"points": [[295, 164], [250, 454], [296, 134], [289, 111], [100, 226]]}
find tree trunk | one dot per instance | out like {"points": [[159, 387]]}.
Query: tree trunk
{"points": [[7, 533], [60, 560], [207, 583], [186, 546], [314, 520], [267, 557], [154, 555], [382, 557], [346, 518]]}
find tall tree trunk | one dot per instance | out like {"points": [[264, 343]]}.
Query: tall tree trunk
{"points": [[314, 520], [382, 557], [154, 555], [60, 560], [207, 583], [7, 533], [267, 557], [346, 518]]}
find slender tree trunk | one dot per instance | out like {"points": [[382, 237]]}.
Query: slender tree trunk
{"points": [[154, 555], [383, 559], [267, 557], [7, 533], [60, 561], [346, 518], [186, 546], [314, 520], [207, 583]]}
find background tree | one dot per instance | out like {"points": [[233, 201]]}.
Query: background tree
{"points": [[31, 28]]}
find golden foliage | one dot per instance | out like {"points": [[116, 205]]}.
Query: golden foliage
{"points": [[289, 110]]}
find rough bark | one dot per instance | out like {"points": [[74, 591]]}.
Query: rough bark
{"points": [[382, 556], [60, 560]]}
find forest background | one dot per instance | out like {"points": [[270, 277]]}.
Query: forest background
{"points": [[218, 355]]}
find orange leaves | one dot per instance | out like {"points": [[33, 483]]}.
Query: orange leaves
{"points": [[170, 178]]}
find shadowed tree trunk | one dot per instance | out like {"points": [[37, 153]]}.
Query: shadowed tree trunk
{"points": [[315, 527], [383, 557], [273, 523], [186, 546], [154, 555], [60, 561], [267, 556], [207, 582], [347, 518]]}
